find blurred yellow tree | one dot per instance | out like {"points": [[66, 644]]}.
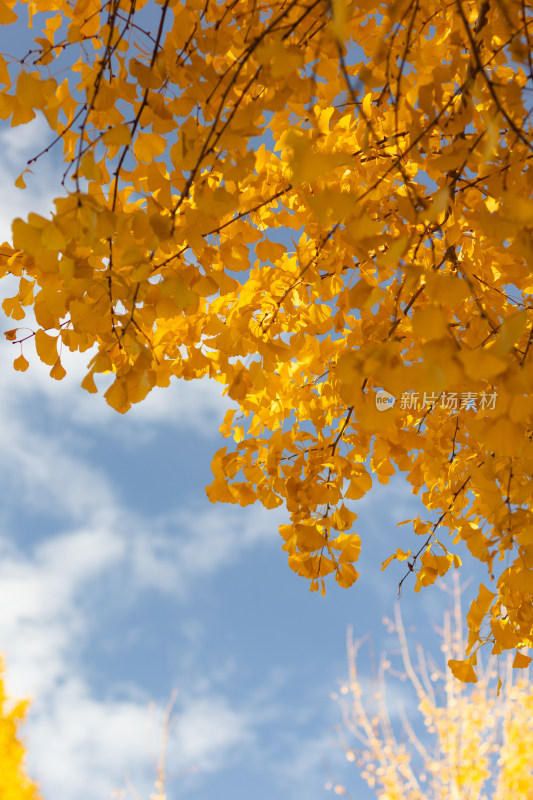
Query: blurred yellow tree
{"points": [[14, 783], [477, 741], [326, 206]]}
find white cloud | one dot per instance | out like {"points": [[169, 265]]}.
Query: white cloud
{"points": [[83, 748], [188, 544], [79, 744], [196, 405], [39, 614], [44, 471], [312, 760], [17, 145], [206, 730]]}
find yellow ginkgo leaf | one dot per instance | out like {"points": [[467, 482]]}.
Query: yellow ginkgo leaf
{"points": [[7, 15], [46, 347], [429, 323], [19, 183], [346, 575], [521, 661], [88, 383], [21, 364], [463, 670], [309, 538], [117, 135], [117, 396], [58, 371]]}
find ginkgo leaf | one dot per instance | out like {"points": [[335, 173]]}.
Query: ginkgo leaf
{"points": [[308, 164], [88, 167], [429, 323], [482, 364], [19, 183], [281, 58], [364, 294], [395, 251], [148, 146], [512, 328], [21, 364], [463, 670], [349, 545], [145, 75], [239, 386], [438, 205], [339, 19], [31, 90], [4, 72], [349, 370], [88, 383], [117, 135], [58, 371], [177, 289], [346, 575], [503, 437], [13, 308], [479, 607], [360, 484], [446, 289], [7, 15], [46, 347], [363, 227], [117, 396], [518, 207], [331, 206], [309, 538], [521, 661], [399, 555]]}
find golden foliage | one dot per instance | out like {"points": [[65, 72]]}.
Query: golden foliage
{"points": [[14, 783], [395, 148], [477, 742]]}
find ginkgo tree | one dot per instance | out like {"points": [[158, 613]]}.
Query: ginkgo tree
{"points": [[14, 782], [324, 205], [475, 742]]}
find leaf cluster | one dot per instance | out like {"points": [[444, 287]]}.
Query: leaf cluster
{"points": [[395, 153]]}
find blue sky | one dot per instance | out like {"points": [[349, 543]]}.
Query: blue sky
{"points": [[120, 582]]}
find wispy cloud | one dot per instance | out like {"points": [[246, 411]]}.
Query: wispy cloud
{"points": [[17, 145], [189, 544], [82, 744], [84, 748], [197, 406]]}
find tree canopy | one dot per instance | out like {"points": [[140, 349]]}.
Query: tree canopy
{"points": [[325, 206]]}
